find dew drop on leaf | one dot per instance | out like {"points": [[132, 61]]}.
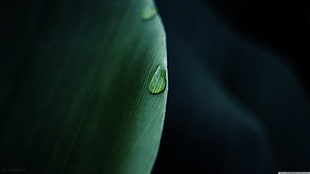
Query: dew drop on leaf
{"points": [[158, 81], [148, 12]]}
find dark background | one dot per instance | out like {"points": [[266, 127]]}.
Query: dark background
{"points": [[238, 87]]}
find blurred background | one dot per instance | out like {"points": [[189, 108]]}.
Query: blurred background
{"points": [[238, 87]]}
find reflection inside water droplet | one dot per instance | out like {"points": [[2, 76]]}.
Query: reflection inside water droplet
{"points": [[158, 81], [148, 12]]}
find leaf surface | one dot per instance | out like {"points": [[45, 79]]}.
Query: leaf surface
{"points": [[74, 86]]}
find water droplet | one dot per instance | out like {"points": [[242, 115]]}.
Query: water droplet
{"points": [[148, 12], [158, 81]]}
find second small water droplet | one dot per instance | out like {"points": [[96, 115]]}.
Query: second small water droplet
{"points": [[158, 81], [148, 12]]}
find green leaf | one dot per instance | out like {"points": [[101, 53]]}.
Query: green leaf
{"points": [[74, 86]]}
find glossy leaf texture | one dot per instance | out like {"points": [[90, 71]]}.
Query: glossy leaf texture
{"points": [[74, 86]]}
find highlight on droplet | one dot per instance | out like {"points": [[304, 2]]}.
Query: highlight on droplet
{"points": [[158, 81]]}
